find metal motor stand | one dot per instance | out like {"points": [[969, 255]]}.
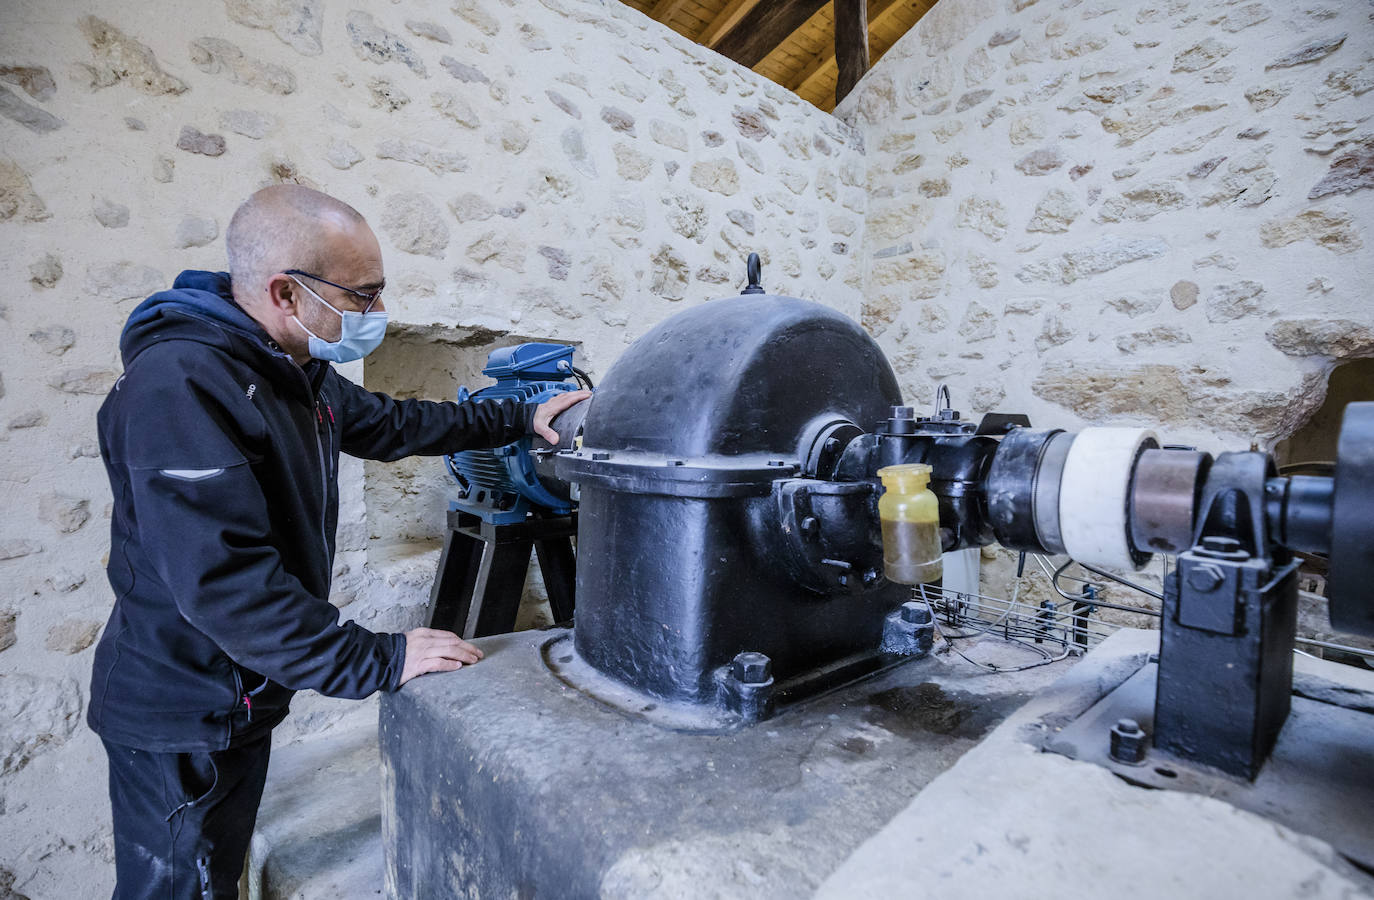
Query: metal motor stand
{"points": [[483, 566]]}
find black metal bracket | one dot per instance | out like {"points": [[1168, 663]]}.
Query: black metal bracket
{"points": [[1229, 619], [482, 570]]}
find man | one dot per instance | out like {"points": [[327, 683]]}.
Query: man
{"points": [[221, 441]]}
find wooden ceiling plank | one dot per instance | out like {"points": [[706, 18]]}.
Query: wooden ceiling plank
{"points": [[764, 28], [664, 10], [727, 19]]}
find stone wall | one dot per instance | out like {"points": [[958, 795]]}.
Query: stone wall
{"points": [[555, 169], [1125, 212]]}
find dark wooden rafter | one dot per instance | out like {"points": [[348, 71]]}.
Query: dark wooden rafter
{"points": [[725, 21], [878, 12], [763, 28], [851, 44]]}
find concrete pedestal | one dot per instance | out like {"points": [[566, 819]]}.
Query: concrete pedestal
{"points": [[500, 780]]}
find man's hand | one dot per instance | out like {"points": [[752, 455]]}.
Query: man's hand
{"points": [[430, 650], [551, 408]]}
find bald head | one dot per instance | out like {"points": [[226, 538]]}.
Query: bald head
{"points": [[285, 226]]}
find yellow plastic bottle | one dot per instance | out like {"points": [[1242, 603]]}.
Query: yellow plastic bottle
{"points": [[910, 517]]}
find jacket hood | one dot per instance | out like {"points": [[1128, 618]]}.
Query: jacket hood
{"points": [[199, 307]]}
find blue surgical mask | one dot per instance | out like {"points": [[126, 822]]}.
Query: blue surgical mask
{"points": [[359, 333]]}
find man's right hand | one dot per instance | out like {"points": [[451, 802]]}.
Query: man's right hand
{"points": [[431, 650]]}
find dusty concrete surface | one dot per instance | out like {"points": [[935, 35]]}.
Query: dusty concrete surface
{"points": [[501, 779], [1009, 820]]}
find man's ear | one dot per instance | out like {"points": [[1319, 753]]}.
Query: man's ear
{"points": [[282, 294]]}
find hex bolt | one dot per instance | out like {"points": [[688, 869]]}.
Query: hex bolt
{"points": [[777, 463], [677, 462], [871, 576], [1205, 578], [1129, 742], [751, 667], [915, 612], [901, 412]]}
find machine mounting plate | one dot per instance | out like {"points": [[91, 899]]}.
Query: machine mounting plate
{"points": [[1317, 781]]}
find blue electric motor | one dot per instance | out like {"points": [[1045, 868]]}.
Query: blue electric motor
{"points": [[503, 485]]}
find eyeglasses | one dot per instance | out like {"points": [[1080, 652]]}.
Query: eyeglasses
{"points": [[370, 298]]}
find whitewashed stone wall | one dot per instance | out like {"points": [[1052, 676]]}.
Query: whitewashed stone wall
{"points": [[558, 169], [1136, 212], [1124, 211]]}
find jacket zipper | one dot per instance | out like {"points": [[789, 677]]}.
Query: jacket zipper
{"points": [[324, 485]]}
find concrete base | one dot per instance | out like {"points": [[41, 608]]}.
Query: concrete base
{"points": [[1008, 820], [500, 780]]}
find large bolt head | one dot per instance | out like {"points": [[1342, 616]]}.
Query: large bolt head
{"points": [[915, 612], [751, 667], [1129, 742], [1205, 579]]}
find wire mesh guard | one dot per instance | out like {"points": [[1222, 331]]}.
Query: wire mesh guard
{"points": [[1058, 629], [1052, 630]]}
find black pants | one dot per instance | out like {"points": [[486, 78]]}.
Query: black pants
{"points": [[182, 821]]}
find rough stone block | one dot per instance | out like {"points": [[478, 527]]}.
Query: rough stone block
{"points": [[34, 118], [216, 56], [36, 81], [1308, 53], [17, 198], [110, 214], [374, 43], [195, 231], [72, 636], [121, 58], [36, 715], [296, 22], [47, 271], [1229, 302], [193, 140], [1352, 171], [415, 225], [1331, 338], [1334, 229]]}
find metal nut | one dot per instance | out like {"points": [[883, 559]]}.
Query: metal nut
{"points": [[1129, 742], [751, 667]]}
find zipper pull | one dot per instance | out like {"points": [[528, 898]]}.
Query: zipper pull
{"points": [[319, 415], [331, 413], [248, 702]]}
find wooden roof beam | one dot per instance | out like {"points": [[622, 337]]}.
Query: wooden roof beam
{"points": [[851, 44], [878, 12], [763, 28]]}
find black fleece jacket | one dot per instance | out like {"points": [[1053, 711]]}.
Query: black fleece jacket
{"points": [[223, 459]]}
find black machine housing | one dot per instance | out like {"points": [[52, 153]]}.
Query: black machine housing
{"points": [[732, 517]]}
